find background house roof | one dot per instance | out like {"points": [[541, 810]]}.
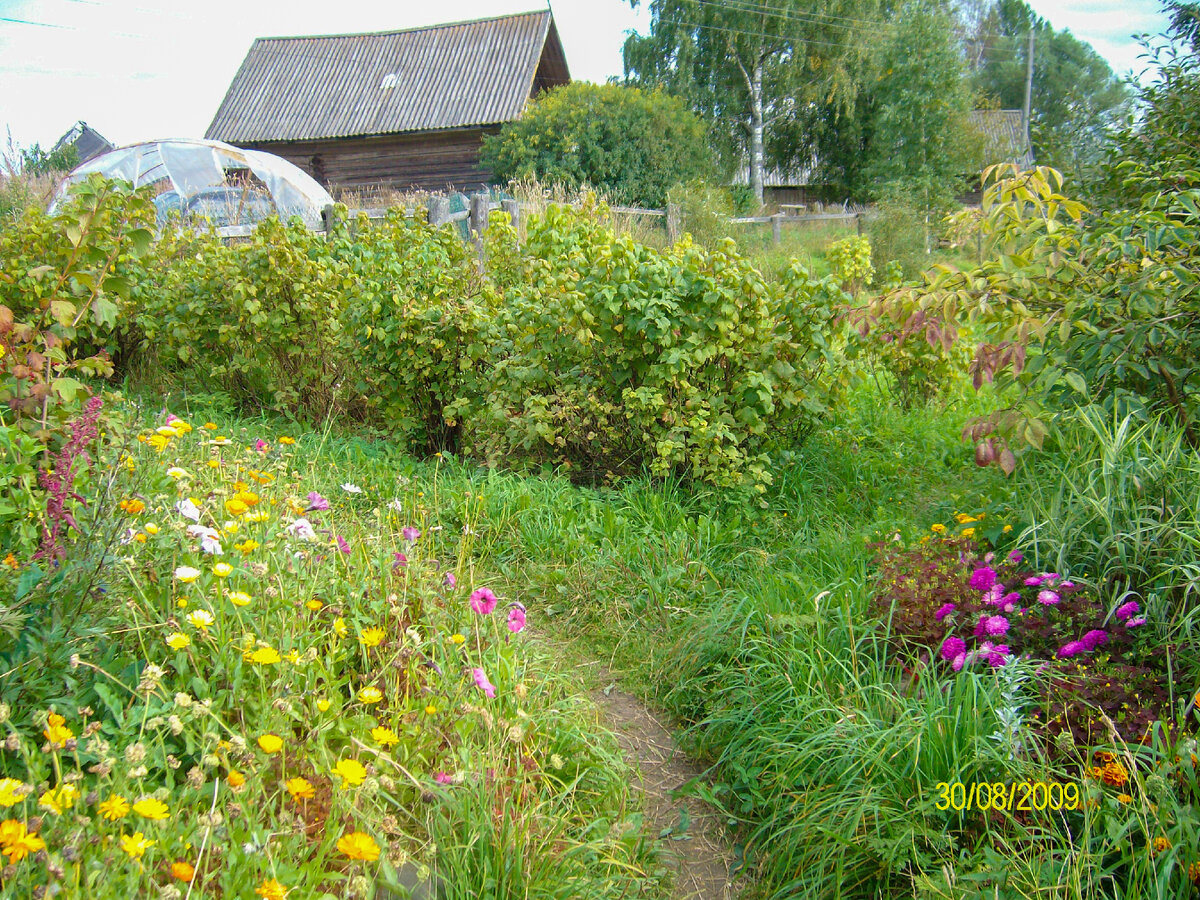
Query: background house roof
{"points": [[88, 142], [1003, 136], [444, 76]]}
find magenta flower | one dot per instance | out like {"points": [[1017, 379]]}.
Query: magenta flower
{"points": [[1070, 649], [342, 545], [410, 534], [1047, 598], [952, 648], [516, 618], [983, 578], [483, 601], [996, 655], [1093, 639], [1066, 585], [316, 502], [1134, 623], [481, 682], [1011, 597], [450, 581], [399, 560], [1125, 610], [944, 611], [1015, 557], [261, 446], [1033, 580], [443, 778], [995, 625], [958, 662]]}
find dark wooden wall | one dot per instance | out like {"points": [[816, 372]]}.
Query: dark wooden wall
{"points": [[430, 161]]}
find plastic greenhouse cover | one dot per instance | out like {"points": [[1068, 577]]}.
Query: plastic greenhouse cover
{"points": [[193, 165]]}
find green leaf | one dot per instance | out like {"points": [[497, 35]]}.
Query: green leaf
{"points": [[67, 388], [1075, 380]]}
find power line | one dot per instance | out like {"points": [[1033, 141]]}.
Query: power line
{"points": [[38, 24]]}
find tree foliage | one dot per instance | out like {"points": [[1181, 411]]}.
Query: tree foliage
{"points": [[631, 144]]}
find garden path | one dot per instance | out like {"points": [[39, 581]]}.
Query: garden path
{"points": [[693, 837]]}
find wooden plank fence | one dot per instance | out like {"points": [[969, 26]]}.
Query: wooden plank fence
{"points": [[480, 205]]}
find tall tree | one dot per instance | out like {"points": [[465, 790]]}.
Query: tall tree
{"points": [[1076, 98], [752, 66]]}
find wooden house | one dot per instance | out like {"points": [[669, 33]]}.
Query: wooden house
{"points": [[87, 141], [399, 109]]}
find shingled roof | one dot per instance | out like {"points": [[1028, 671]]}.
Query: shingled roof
{"points": [[1004, 139], [444, 76]]}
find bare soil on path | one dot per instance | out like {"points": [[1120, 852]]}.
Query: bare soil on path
{"points": [[691, 833]]}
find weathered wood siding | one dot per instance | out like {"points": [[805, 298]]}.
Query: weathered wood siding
{"points": [[431, 161]]}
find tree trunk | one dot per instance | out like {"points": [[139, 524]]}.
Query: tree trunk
{"points": [[756, 132]]}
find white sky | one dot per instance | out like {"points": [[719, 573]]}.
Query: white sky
{"points": [[141, 69]]}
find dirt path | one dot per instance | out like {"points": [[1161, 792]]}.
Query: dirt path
{"points": [[693, 839]]}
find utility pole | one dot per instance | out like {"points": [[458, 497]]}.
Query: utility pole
{"points": [[1028, 88]]}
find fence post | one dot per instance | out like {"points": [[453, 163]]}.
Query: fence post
{"points": [[672, 222], [327, 217], [480, 203], [439, 211], [777, 228], [513, 208], [858, 222]]}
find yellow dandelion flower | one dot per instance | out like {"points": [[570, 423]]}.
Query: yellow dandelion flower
{"points": [[115, 807], [158, 442], [270, 743], [222, 570], [938, 528], [287, 440], [151, 528], [339, 627], [248, 497], [235, 507], [59, 800], [247, 546], [357, 845], [351, 771], [211, 426], [314, 604], [272, 890], [56, 732], [371, 637], [385, 737], [430, 710], [178, 641], [12, 792], [200, 618], [187, 574], [458, 638], [968, 532], [152, 808], [236, 779], [1006, 529], [214, 464], [300, 789], [136, 844], [176, 472], [370, 695], [239, 598], [323, 704], [265, 656]]}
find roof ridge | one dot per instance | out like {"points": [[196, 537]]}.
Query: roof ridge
{"points": [[362, 34]]}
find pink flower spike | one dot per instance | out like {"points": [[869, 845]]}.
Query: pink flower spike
{"points": [[481, 682], [483, 601], [516, 618]]}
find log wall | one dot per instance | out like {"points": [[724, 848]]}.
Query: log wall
{"points": [[429, 161]]}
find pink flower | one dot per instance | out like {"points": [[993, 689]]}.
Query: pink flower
{"points": [[483, 601], [1015, 556], [952, 648], [316, 502], [399, 560], [944, 611], [996, 655], [342, 545], [261, 446], [1093, 639], [1070, 649], [1134, 623], [516, 618], [983, 578], [450, 581], [958, 662], [481, 682], [995, 625], [410, 534], [1125, 610], [1033, 580], [1047, 598], [443, 778]]}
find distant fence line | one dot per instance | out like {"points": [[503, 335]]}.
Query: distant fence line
{"points": [[480, 205]]}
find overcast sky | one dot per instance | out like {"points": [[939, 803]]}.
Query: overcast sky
{"points": [[137, 69]]}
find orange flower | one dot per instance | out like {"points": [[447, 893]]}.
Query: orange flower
{"points": [[300, 789], [17, 842], [56, 731], [271, 890], [357, 845], [182, 870]]}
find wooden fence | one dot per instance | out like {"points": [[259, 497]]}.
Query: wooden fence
{"points": [[480, 205]]}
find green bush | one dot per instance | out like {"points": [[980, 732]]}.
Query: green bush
{"points": [[631, 144], [611, 357]]}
